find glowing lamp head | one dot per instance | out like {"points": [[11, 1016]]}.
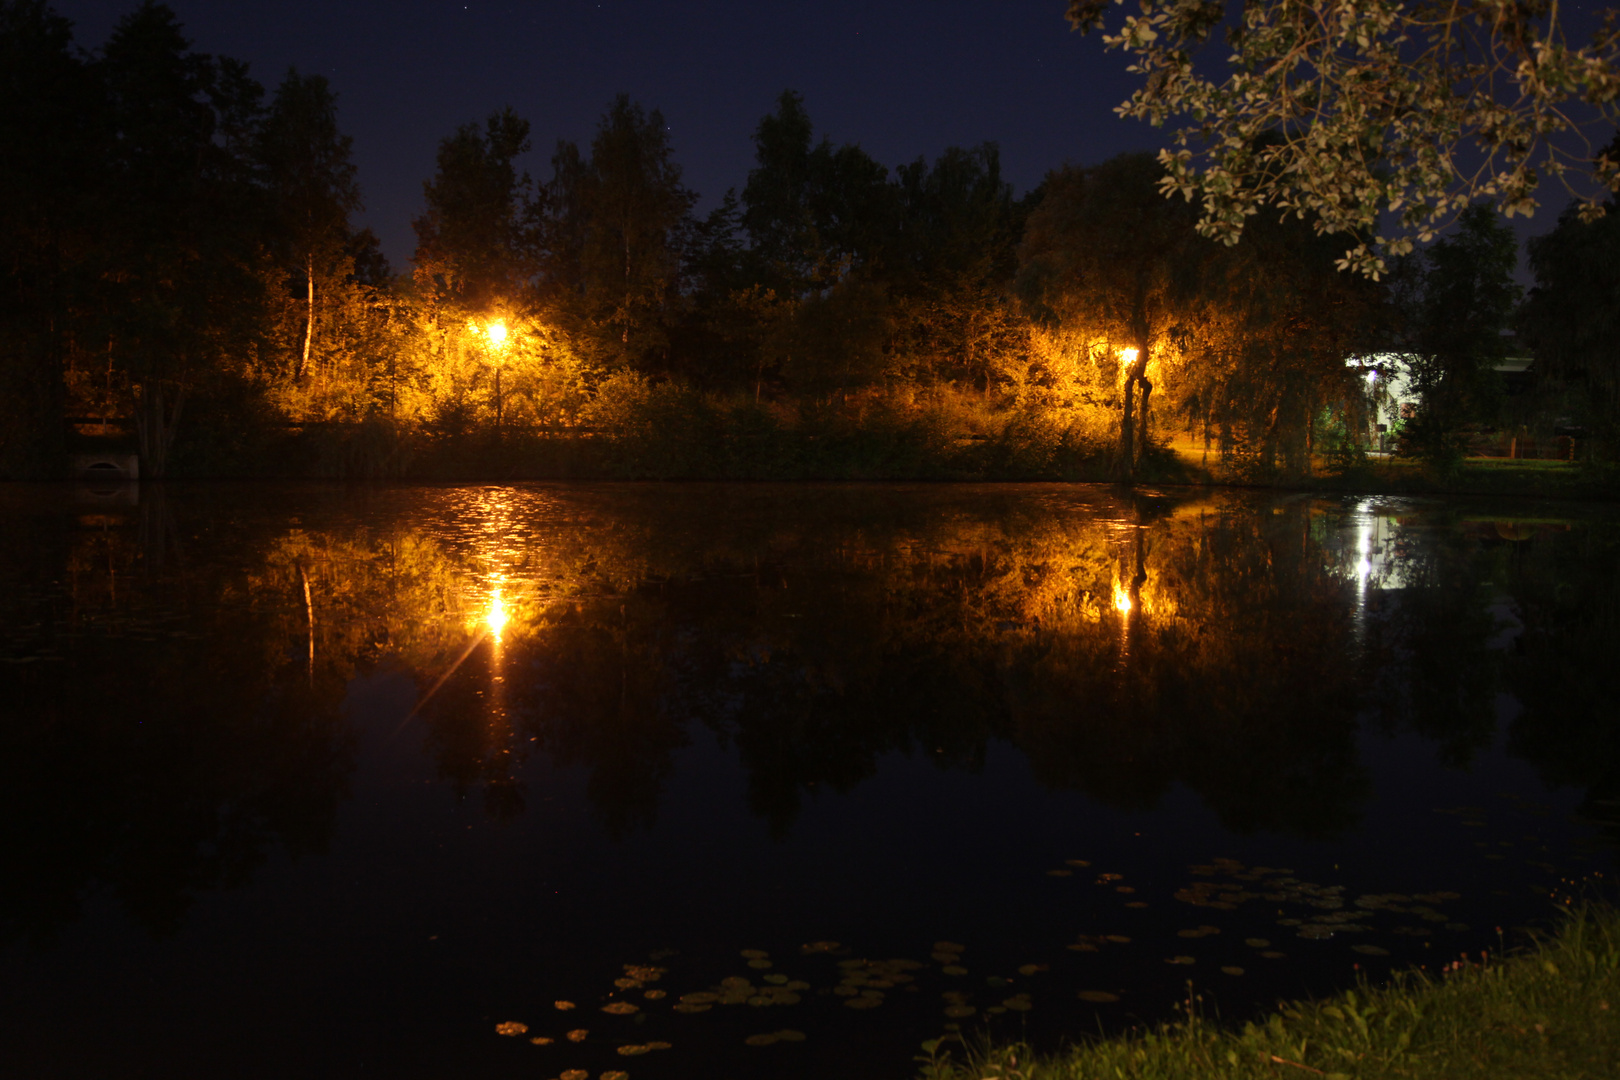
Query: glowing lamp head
{"points": [[1122, 599], [497, 333], [1128, 355]]}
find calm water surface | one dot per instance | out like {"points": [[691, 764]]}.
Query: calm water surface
{"points": [[308, 782]]}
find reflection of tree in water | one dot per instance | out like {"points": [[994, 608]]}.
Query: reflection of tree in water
{"points": [[1124, 647], [134, 758], [817, 648]]}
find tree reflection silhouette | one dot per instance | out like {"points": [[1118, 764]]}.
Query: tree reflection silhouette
{"points": [[182, 717]]}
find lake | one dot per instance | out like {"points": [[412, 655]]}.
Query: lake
{"points": [[552, 780]]}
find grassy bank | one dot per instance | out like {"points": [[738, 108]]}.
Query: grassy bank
{"points": [[1552, 1010]]}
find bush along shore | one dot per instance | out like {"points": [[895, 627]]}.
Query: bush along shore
{"points": [[1551, 1010]]}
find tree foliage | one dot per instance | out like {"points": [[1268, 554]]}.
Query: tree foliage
{"points": [[1348, 110]]}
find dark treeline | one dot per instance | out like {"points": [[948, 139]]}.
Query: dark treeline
{"points": [[184, 278]]}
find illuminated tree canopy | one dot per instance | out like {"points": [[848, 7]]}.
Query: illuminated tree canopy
{"points": [[1351, 110]]}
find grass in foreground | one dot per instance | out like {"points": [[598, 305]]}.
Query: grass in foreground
{"points": [[1551, 1011]]}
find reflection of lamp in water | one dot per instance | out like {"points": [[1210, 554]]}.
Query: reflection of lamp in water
{"points": [[1122, 599], [496, 617]]}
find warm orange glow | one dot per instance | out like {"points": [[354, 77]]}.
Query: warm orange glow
{"points": [[1122, 599], [497, 333], [496, 617], [1128, 356]]}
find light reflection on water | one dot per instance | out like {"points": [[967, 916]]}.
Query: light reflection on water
{"points": [[711, 718]]}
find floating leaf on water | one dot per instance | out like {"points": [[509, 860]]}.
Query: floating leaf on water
{"points": [[776, 979], [1136, 904], [789, 1035], [1083, 946], [1098, 997], [511, 1027], [1104, 879], [1032, 969], [616, 1075], [1257, 943], [796, 984], [577, 1035], [949, 946], [685, 1008], [1180, 960], [959, 1012], [634, 1050], [574, 1074], [644, 972], [757, 1001], [1118, 939], [541, 1040], [563, 1005], [654, 995], [954, 969], [627, 984], [754, 954], [1124, 889], [1232, 970], [702, 997], [1078, 862], [762, 1040], [1019, 1003], [1315, 932], [760, 964], [819, 947], [621, 1008], [1273, 955], [736, 982], [944, 957], [1370, 950], [658, 1046], [1060, 873]]}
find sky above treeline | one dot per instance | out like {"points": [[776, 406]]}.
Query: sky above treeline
{"points": [[902, 78]]}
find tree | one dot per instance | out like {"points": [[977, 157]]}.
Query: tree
{"points": [[52, 125], [182, 221], [1415, 109], [471, 247], [1460, 317], [953, 262], [1104, 252], [307, 167], [1572, 317]]}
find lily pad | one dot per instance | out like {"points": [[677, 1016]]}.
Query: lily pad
{"points": [[616, 1074], [1098, 997], [634, 1050], [1019, 1003], [564, 1005], [541, 1040], [1232, 970], [762, 1040], [1136, 904], [1274, 955], [754, 954], [954, 969], [655, 995], [760, 964], [1257, 943], [577, 1035], [1033, 969], [790, 1035], [621, 1008], [511, 1027], [574, 1074], [819, 947], [1118, 939], [1184, 960]]}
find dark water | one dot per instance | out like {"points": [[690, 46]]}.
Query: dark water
{"points": [[278, 802]]}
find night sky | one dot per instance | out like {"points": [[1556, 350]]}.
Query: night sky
{"points": [[902, 78]]}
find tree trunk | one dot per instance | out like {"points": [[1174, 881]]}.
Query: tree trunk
{"points": [[1144, 413], [155, 427], [309, 325]]}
